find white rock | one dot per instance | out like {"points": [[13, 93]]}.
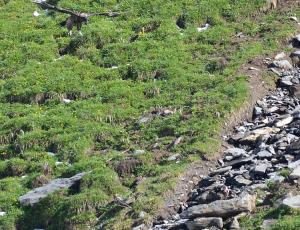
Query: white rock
{"points": [[66, 101], [284, 121], [292, 202], [279, 56], [293, 18], [283, 64], [296, 173], [36, 13], [2, 213], [205, 27]]}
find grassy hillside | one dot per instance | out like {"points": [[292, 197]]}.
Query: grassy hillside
{"points": [[140, 65]]}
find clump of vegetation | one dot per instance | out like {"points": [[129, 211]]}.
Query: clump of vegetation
{"points": [[75, 103]]}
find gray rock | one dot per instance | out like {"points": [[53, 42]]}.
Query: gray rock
{"points": [[234, 224], [221, 170], [264, 154], [255, 134], [294, 165], [138, 152], [239, 181], [282, 64], [239, 162], [275, 178], [37, 194], [235, 152], [292, 202], [222, 208], [260, 169], [174, 157], [202, 223], [267, 224], [257, 111], [295, 174], [295, 91]]}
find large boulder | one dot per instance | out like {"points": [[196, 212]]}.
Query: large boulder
{"points": [[37, 194], [222, 208]]}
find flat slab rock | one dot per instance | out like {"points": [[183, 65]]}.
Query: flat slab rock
{"points": [[202, 223], [292, 202], [37, 194], [222, 208]]}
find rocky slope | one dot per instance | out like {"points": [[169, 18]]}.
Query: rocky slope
{"points": [[265, 152]]}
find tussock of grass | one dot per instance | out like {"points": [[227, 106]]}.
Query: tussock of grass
{"points": [[163, 68]]}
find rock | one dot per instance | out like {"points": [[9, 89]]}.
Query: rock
{"points": [[260, 169], [267, 224], [275, 178], [145, 119], [2, 213], [138, 152], [36, 13], [174, 157], [238, 162], [238, 181], [282, 64], [235, 152], [293, 18], [37, 194], [220, 171], [285, 83], [264, 154], [294, 165], [257, 111], [280, 56], [66, 101], [255, 134], [222, 208], [284, 121], [295, 91], [234, 224], [295, 174], [294, 148], [140, 227], [297, 37], [292, 202], [208, 222]]}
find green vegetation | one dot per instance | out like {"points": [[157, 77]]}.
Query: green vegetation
{"points": [[160, 67]]}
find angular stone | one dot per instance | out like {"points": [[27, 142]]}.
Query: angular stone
{"points": [[295, 174], [202, 223], [267, 224], [282, 64], [292, 202], [294, 165], [239, 162], [264, 154], [220, 170], [275, 178], [239, 181], [235, 152], [260, 169], [279, 56], [284, 121], [255, 134], [222, 208], [37, 194]]}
